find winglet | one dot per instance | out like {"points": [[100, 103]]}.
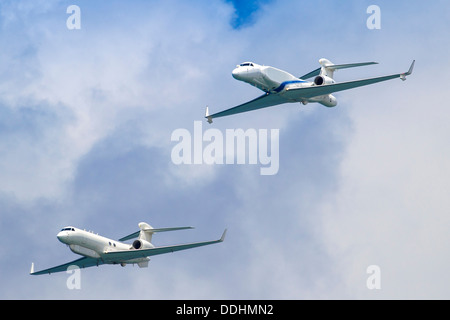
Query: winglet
{"points": [[32, 268], [403, 75], [223, 235], [207, 115]]}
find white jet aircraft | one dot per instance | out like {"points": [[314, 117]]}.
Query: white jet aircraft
{"points": [[282, 87], [97, 250]]}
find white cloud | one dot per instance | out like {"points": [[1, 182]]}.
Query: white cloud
{"points": [[391, 206], [99, 77]]}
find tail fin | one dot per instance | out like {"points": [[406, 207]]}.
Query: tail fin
{"points": [[147, 230], [328, 67]]}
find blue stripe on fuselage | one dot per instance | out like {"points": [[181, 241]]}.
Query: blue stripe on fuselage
{"points": [[283, 84]]}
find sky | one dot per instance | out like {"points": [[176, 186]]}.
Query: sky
{"points": [[86, 118]]}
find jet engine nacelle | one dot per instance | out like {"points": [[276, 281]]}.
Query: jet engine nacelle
{"points": [[328, 100], [321, 80], [141, 244]]}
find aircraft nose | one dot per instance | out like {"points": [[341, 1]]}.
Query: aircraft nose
{"points": [[62, 236], [237, 73]]}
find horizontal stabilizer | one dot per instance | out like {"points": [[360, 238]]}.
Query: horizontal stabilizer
{"points": [[350, 65], [166, 229], [333, 67], [152, 230]]}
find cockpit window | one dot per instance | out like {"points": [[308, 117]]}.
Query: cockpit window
{"points": [[68, 229], [246, 64]]}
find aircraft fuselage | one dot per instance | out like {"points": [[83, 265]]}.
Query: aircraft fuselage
{"points": [[276, 81], [266, 78], [92, 245]]}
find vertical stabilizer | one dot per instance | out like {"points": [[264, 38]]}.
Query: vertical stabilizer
{"points": [[146, 232], [326, 69]]}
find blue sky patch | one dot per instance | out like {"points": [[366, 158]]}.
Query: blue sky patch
{"points": [[245, 12]]}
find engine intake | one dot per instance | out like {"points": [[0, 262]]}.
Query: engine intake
{"points": [[137, 244], [141, 244], [321, 80]]}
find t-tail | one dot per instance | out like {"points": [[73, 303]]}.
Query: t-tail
{"points": [[325, 74], [147, 231], [328, 67]]}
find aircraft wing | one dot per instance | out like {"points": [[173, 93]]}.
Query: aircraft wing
{"points": [[142, 253], [84, 262], [266, 100], [315, 91]]}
